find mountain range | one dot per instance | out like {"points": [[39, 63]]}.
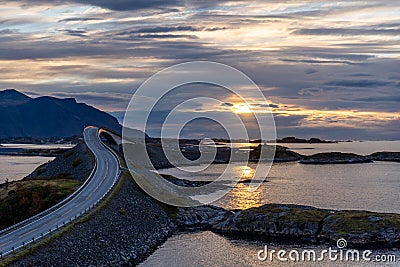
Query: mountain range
{"points": [[23, 116]]}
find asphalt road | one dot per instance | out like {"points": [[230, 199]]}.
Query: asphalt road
{"points": [[102, 180]]}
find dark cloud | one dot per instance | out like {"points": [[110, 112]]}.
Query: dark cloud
{"points": [[273, 105], [121, 5], [105, 100], [310, 71], [318, 61], [357, 83], [360, 75], [162, 30], [76, 33], [17, 46], [349, 73], [93, 96], [79, 19], [166, 36], [8, 31], [310, 91], [379, 99], [343, 133], [227, 104], [117, 5]]}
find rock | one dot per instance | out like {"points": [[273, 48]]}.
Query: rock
{"points": [[276, 220], [385, 156], [362, 229], [63, 165], [109, 238], [335, 158], [294, 222], [282, 154], [203, 217]]}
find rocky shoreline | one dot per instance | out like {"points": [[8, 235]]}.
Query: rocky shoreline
{"points": [[122, 233], [131, 225], [76, 163], [293, 222]]}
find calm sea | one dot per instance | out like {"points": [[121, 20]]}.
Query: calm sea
{"points": [[17, 167], [207, 249], [373, 186]]}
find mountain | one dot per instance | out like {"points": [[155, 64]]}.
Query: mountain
{"points": [[11, 97], [22, 116]]}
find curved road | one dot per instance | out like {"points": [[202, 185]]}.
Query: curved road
{"points": [[98, 185]]}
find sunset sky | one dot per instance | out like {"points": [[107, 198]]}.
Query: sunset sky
{"points": [[330, 69]]}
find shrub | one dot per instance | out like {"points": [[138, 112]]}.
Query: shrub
{"points": [[76, 162], [68, 153], [40, 171]]}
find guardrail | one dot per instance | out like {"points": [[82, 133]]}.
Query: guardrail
{"points": [[55, 207], [51, 209]]}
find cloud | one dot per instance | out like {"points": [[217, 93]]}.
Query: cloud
{"points": [[357, 83], [117, 5], [310, 71], [107, 101], [360, 75], [389, 98], [80, 19], [310, 91], [8, 32], [348, 31], [165, 36], [272, 105], [227, 104], [161, 30], [349, 61], [77, 33]]}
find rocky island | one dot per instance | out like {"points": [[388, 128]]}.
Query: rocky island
{"points": [[130, 225], [294, 140], [335, 158], [298, 223]]}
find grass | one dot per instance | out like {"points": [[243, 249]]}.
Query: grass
{"points": [[46, 241], [346, 222], [22, 199], [294, 214]]}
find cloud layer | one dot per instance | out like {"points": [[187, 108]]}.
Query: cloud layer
{"points": [[330, 69]]}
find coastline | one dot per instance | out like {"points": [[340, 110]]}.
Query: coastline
{"points": [[307, 225], [158, 222]]}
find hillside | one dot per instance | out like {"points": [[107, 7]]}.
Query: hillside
{"points": [[22, 116]]}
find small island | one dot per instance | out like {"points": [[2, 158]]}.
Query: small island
{"points": [[294, 140], [335, 158]]}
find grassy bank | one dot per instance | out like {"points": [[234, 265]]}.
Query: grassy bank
{"points": [[22, 199]]}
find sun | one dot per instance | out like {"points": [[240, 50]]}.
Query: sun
{"points": [[241, 108]]}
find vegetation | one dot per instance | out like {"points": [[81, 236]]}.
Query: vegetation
{"points": [[23, 199], [76, 162], [69, 153], [347, 222], [293, 213], [40, 171]]}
